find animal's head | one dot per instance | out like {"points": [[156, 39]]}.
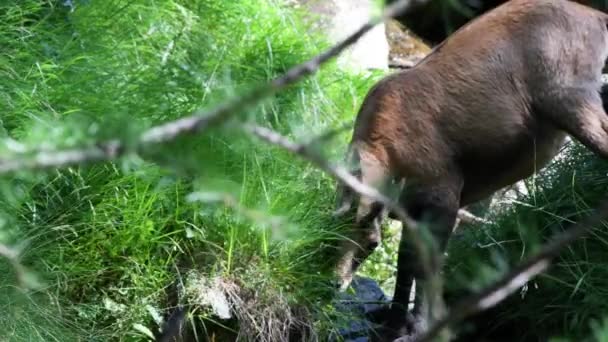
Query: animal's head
{"points": [[363, 234]]}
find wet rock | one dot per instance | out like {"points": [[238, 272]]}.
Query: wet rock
{"points": [[365, 297]]}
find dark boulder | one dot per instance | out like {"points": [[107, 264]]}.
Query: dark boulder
{"points": [[436, 19], [366, 297]]}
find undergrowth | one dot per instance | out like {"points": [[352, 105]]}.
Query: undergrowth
{"points": [[566, 303], [103, 244]]}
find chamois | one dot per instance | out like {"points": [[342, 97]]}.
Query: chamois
{"points": [[489, 106]]}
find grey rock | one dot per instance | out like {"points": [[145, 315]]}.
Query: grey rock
{"points": [[367, 296]]}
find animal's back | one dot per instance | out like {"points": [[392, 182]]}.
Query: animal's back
{"points": [[486, 108], [468, 107]]}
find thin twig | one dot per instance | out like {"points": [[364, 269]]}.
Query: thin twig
{"points": [[466, 216], [12, 256], [47, 159], [517, 277]]}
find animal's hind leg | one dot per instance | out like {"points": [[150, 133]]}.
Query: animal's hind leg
{"points": [[366, 235], [579, 112]]}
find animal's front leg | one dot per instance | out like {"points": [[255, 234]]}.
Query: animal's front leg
{"points": [[436, 208]]}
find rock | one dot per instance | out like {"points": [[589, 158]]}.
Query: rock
{"points": [[389, 45], [367, 296], [406, 49], [436, 19], [340, 18], [209, 293]]}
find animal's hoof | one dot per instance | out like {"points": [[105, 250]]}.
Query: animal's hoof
{"points": [[379, 315], [343, 283], [387, 314], [390, 323], [396, 325]]}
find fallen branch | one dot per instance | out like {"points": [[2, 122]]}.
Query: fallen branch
{"points": [[517, 277], [466, 216]]}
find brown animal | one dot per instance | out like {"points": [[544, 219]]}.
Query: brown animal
{"points": [[489, 106]]}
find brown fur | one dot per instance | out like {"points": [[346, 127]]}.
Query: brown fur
{"points": [[486, 108]]}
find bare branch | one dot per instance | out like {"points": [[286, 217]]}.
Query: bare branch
{"points": [[517, 277], [47, 159], [466, 216]]}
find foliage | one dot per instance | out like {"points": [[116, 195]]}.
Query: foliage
{"points": [[104, 245], [106, 241], [570, 296]]}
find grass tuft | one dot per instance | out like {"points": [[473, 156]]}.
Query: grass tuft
{"points": [[107, 241]]}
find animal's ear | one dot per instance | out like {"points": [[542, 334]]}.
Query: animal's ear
{"points": [[344, 200]]}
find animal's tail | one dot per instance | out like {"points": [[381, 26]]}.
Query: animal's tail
{"points": [[345, 196]]}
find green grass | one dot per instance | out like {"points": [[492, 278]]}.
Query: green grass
{"points": [[106, 241], [569, 300], [103, 245]]}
